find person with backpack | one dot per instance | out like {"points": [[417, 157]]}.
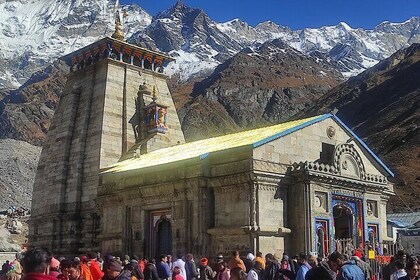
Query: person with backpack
{"points": [[4, 268], [150, 271], [271, 267], [325, 270], [350, 271], [137, 272], [191, 268], [364, 266], [206, 273]]}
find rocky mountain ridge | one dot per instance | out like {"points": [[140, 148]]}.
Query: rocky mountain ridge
{"points": [[200, 44], [26, 113], [259, 86], [18, 163], [34, 33]]}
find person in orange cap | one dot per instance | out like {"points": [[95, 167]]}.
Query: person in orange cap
{"points": [[206, 273]]}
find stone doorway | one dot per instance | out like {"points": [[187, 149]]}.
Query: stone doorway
{"points": [[160, 234], [343, 221]]}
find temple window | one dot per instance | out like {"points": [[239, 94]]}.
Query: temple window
{"points": [[137, 61], [147, 64], [126, 58], [327, 153]]}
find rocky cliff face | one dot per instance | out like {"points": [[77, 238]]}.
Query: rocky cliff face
{"points": [[26, 113], [18, 163]]}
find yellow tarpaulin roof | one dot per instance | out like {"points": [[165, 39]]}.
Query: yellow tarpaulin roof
{"points": [[201, 148]]}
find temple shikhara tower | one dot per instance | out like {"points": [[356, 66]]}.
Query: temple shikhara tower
{"points": [[116, 103], [116, 176]]}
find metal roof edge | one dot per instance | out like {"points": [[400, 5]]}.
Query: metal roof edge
{"points": [[360, 141], [291, 130], [204, 156]]}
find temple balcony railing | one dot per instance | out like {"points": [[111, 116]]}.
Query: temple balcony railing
{"points": [[330, 174], [110, 48]]}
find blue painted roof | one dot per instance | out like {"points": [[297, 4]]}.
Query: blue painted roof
{"points": [[398, 223], [404, 219], [290, 130]]}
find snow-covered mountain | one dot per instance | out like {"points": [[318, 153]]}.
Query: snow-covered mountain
{"points": [[191, 37], [33, 33]]}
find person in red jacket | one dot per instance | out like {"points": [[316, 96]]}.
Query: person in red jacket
{"points": [[140, 262], [176, 275], [95, 270], [36, 264]]}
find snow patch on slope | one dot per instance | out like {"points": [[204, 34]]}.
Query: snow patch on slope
{"points": [[189, 65]]}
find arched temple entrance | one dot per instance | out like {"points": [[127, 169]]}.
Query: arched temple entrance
{"points": [[322, 238], [163, 241], [160, 238], [343, 221]]}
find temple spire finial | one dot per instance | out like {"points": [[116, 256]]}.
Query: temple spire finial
{"points": [[118, 33]]}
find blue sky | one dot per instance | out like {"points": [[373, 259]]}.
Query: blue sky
{"points": [[298, 14]]}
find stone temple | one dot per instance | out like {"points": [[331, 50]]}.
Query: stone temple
{"points": [[116, 176]]}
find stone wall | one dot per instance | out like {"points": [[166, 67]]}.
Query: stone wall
{"points": [[89, 131], [306, 145], [68, 167], [203, 209]]}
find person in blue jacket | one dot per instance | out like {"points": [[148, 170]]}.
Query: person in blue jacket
{"points": [[304, 267], [162, 268], [350, 271]]}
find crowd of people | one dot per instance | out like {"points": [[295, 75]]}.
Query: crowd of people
{"points": [[40, 264]]}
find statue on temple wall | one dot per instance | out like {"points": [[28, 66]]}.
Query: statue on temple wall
{"points": [[161, 119]]}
